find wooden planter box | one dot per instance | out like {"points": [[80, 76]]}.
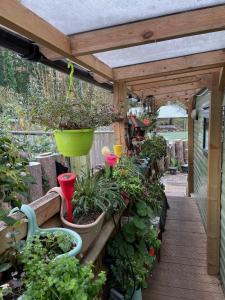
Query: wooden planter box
{"points": [[47, 210]]}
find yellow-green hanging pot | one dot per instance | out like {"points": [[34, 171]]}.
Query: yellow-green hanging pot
{"points": [[74, 142]]}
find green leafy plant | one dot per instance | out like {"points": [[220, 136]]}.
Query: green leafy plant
{"points": [[61, 278], [154, 148], [175, 163], [14, 175], [96, 194], [154, 196], [38, 247], [131, 252], [129, 179], [51, 245]]}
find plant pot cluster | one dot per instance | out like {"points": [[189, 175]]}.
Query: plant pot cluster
{"points": [[132, 253]]}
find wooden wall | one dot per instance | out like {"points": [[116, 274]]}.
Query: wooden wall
{"points": [[200, 160]]}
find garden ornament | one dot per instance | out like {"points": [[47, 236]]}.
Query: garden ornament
{"points": [[67, 182]]}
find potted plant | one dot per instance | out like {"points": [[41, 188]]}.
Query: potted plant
{"points": [[132, 253], [173, 167], [154, 148], [50, 245], [94, 197], [184, 168], [42, 274], [73, 114]]}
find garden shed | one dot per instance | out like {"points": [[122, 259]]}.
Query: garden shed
{"points": [[172, 49]]}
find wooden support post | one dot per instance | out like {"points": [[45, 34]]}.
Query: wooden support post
{"points": [[214, 174], [191, 105], [120, 102]]}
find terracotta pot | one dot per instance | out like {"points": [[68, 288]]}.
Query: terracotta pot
{"points": [[87, 232]]}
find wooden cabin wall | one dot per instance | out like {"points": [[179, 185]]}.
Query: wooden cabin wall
{"points": [[222, 228], [200, 159]]}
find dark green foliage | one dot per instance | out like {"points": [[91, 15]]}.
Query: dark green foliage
{"points": [[129, 251], [15, 72], [154, 196], [154, 148], [14, 175], [129, 179]]}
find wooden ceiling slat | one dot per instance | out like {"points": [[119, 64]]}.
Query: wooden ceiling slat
{"points": [[149, 31], [161, 79], [171, 89], [195, 62], [174, 95], [171, 82]]}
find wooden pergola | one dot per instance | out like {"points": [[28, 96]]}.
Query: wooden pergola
{"points": [[129, 53]]}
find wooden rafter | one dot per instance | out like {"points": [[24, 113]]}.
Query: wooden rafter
{"points": [[148, 31], [172, 96], [18, 18], [161, 79], [194, 62], [171, 89], [167, 83]]}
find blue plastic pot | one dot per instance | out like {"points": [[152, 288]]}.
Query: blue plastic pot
{"points": [[33, 229]]}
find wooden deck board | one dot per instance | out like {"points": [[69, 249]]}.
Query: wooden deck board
{"points": [[181, 273]]}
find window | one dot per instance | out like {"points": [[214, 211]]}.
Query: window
{"points": [[205, 134], [205, 130]]}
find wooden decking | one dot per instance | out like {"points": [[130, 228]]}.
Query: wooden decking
{"points": [[181, 273]]}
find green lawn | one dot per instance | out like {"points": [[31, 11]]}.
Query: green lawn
{"points": [[174, 135]]}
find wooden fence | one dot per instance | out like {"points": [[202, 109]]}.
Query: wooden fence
{"points": [[177, 150]]}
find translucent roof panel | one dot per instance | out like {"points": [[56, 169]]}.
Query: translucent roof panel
{"points": [[171, 111], [162, 50], [73, 16]]}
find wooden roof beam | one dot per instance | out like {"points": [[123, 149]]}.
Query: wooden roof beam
{"points": [[174, 95], [171, 89], [172, 82], [18, 18], [149, 31], [171, 66], [176, 81], [161, 79], [203, 79]]}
